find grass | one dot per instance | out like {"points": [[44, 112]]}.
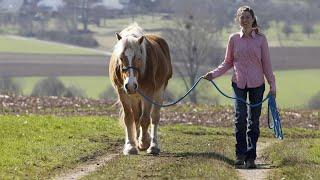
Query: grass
{"points": [[184, 155], [16, 45], [40, 147], [296, 159], [189, 151], [36, 147], [295, 87]]}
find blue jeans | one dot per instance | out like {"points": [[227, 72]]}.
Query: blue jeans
{"points": [[247, 127]]}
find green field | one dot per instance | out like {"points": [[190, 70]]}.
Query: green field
{"points": [[105, 35], [41, 147], [295, 87], [10, 44]]}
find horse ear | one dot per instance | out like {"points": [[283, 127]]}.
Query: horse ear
{"points": [[118, 36], [140, 40]]}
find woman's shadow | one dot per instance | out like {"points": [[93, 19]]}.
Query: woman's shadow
{"points": [[212, 155], [208, 155]]}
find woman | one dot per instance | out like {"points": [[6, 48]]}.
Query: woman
{"points": [[248, 53]]}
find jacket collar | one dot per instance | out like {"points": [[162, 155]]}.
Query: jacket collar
{"points": [[253, 33]]}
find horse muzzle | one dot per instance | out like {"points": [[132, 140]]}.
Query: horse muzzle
{"points": [[131, 88]]}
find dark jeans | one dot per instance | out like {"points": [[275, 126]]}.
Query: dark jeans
{"points": [[247, 131]]}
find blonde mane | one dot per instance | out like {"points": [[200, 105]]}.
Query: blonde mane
{"points": [[130, 36]]}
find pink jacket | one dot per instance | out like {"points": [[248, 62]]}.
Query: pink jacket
{"points": [[250, 59]]}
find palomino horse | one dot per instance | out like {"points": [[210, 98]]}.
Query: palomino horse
{"points": [[140, 61]]}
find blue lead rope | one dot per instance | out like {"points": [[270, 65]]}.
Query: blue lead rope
{"points": [[272, 106], [276, 126]]}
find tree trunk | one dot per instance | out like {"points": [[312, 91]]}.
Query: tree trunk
{"points": [[193, 94]]}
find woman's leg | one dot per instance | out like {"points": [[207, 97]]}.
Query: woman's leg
{"points": [[240, 122], [255, 96]]}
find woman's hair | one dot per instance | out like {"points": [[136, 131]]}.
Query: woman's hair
{"points": [[250, 10]]}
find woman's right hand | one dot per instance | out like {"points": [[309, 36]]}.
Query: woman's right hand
{"points": [[208, 76]]}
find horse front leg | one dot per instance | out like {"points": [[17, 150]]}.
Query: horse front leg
{"points": [[130, 130]]}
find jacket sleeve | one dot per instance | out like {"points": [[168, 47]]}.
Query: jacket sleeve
{"points": [[228, 61], [266, 64]]}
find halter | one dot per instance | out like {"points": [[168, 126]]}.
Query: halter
{"points": [[125, 69]]}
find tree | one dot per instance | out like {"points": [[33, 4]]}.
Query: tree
{"points": [[190, 41], [307, 28], [78, 11], [8, 85], [287, 29]]}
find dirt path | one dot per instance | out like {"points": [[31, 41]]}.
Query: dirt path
{"points": [[263, 169], [87, 168]]}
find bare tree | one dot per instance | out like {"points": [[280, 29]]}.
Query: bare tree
{"points": [[78, 11], [190, 41]]}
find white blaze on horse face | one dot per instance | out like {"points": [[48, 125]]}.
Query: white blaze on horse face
{"points": [[131, 81]]}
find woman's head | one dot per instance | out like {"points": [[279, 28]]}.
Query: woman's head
{"points": [[246, 18]]}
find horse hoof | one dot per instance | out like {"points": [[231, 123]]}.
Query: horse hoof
{"points": [[144, 146], [153, 150], [130, 151]]}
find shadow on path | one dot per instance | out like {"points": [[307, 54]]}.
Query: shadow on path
{"points": [[210, 155]]}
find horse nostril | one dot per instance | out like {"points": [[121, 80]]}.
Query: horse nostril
{"points": [[126, 86], [135, 86]]}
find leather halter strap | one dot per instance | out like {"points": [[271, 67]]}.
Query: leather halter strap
{"points": [[129, 67]]}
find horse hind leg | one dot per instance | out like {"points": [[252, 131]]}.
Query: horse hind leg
{"points": [[155, 118]]}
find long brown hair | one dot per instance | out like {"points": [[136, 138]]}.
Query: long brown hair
{"points": [[250, 10]]}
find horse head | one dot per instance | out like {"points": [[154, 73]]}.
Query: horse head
{"points": [[131, 60]]}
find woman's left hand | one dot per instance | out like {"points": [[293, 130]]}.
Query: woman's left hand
{"points": [[274, 93], [207, 76]]}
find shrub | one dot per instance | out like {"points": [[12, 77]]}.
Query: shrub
{"points": [[314, 102], [50, 86], [84, 40], [109, 93], [74, 91], [168, 96], [7, 85]]}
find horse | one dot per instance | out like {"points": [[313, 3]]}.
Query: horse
{"points": [[141, 62]]}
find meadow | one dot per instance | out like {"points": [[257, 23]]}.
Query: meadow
{"points": [[15, 44]]}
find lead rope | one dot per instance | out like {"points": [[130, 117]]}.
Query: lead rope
{"points": [[272, 106]]}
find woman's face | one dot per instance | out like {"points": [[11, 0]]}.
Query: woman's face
{"points": [[245, 19]]}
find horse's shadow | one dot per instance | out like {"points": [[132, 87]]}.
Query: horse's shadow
{"points": [[209, 155]]}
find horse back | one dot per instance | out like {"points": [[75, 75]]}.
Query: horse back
{"points": [[158, 56]]}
